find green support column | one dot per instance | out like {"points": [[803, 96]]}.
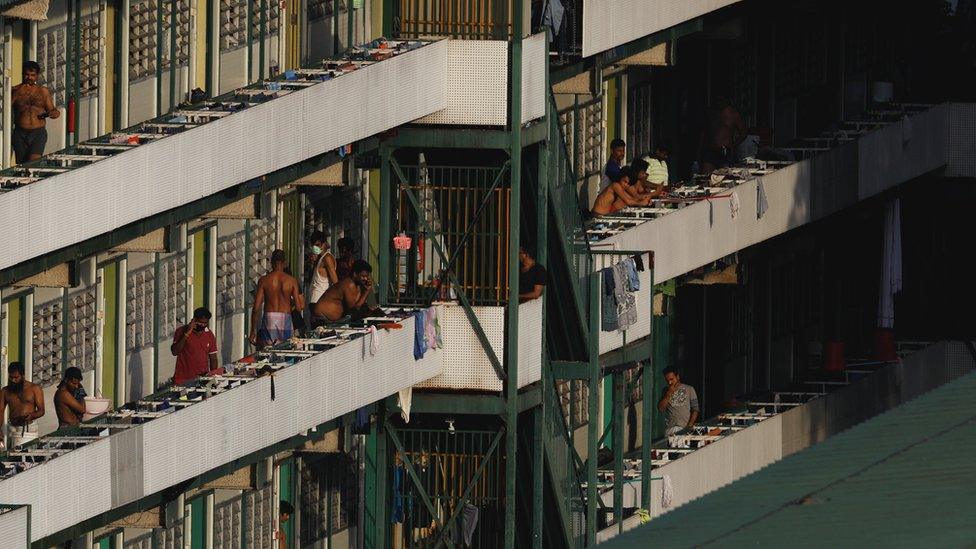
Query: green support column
{"points": [[385, 238], [159, 58], [618, 450], [172, 54], [648, 408], [593, 411], [377, 468], [538, 454], [511, 318]]}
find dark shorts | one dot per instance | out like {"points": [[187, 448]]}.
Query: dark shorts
{"points": [[28, 142], [718, 157]]}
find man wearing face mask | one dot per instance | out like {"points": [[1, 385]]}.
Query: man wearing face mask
{"points": [[32, 105], [25, 400], [323, 267], [195, 348]]}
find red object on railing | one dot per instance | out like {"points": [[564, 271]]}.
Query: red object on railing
{"points": [[834, 356], [884, 345], [71, 116]]}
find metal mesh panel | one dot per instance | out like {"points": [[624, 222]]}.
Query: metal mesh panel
{"points": [[466, 19], [450, 197], [639, 119], [90, 51], [272, 22], [562, 460], [140, 287], [81, 329], [230, 274], [260, 519], [144, 18], [589, 150], [227, 523], [233, 24], [172, 277], [329, 491], [51, 45], [263, 240], [47, 364], [320, 9]]}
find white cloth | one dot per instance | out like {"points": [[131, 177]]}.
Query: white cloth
{"points": [[374, 341], [762, 204], [319, 283], [404, 398], [667, 491], [657, 170], [891, 282]]}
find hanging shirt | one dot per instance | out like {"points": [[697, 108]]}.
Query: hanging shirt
{"points": [[319, 283]]}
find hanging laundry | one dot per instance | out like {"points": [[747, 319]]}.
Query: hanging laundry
{"points": [[397, 515], [626, 303], [762, 204], [734, 204], [639, 263], [374, 341], [467, 521], [432, 329], [419, 339], [633, 282], [404, 399], [667, 491], [608, 303]]}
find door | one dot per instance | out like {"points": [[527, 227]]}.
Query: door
{"points": [[110, 332], [13, 332], [201, 268]]}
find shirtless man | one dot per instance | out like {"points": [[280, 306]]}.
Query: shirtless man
{"points": [[618, 196], [722, 137], [32, 104], [642, 189], [66, 403], [346, 297], [278, 296], [25, 399]]}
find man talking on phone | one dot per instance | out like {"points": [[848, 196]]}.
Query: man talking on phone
{"points": [[32, 106], [195, 348]]}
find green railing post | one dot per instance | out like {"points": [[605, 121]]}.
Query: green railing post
{"points": [[618, 449], [648, 408], [514, 231], [593, 410], [385, 237]]}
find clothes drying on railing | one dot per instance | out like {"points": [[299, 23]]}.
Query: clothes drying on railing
{"points": [[619, 306]]}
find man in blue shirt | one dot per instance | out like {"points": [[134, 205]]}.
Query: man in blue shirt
{"points": [[611, 172]]}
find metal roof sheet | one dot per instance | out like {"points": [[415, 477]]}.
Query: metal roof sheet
{"points": [[904, 477]]}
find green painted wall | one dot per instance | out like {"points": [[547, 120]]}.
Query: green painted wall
{"points": [[198, 523], [110, 331], [14, 338], [201, 268], [286, 491]]}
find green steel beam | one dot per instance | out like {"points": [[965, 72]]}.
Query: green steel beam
{"points": [[172, 53], [174, 216], [455, 404], [618, 450], [452, 520], [632, 352], [461, 296], [514, 233], [386, 232], [571, 370], [166, 495], [648, 409], [461, 138], [418, 483], [623, 51], [537, 477], [593, 411]]}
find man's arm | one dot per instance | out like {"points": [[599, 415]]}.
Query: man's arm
{"points": [[38, 404], [693, 404], [296, 298], [328, 268], [214, 363], [3, 407], [620, 192], [255, 312], [180, 339], [49, 105], [71, 402], [666, 399]]}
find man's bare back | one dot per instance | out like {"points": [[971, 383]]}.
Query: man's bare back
{"points": [[340, 299], [67, 407], [24, 404], [279, 290]]}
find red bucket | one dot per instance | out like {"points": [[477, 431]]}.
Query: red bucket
{"points": [[834, 356]]}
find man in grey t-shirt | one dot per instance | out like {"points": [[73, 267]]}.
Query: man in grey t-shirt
{"points": [[679, 404]]}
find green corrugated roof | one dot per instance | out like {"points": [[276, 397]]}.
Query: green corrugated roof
{"points": [[904, 478]]}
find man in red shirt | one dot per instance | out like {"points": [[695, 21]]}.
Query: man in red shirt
{"points": [[195, 348]]}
